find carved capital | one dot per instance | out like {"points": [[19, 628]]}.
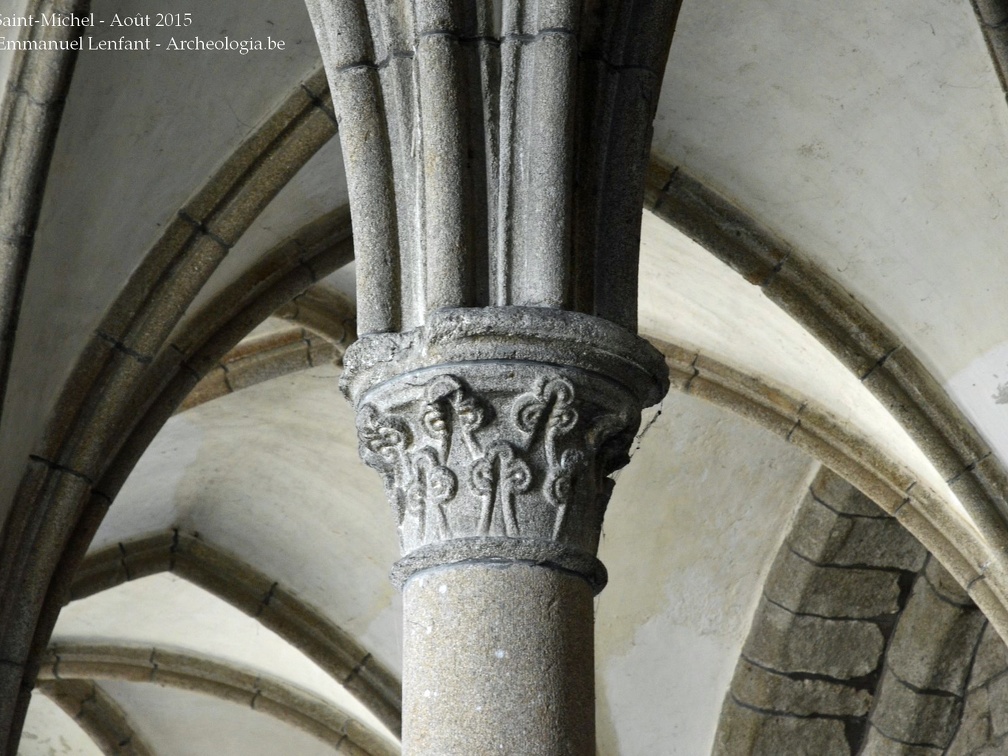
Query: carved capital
{"points": [[501, 456]]}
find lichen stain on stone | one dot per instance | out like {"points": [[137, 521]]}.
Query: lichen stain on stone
{"points": [[1001, 397]]}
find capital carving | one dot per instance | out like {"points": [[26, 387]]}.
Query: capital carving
{"points": [[497, 450], [496, 455]]}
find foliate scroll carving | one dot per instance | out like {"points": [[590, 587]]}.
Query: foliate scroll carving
{"points": [[491, 450], [499, 476]]}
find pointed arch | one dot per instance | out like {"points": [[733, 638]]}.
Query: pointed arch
{"points": [[257, 595]]}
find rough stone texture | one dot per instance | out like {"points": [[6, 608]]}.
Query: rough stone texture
{"points": [[804, 587], [923, 696], [324, 311], [751, 733], [944, 585], [104, 396], [863, 343], [878, 744], [482, 430], [801, 696], [854, 541], [998, 694], [991, 659], [793, 643], [837, 494], [812, 666], [932, 640], [497, 449], [262, 362], [498, 659], [975, 729], [909, 695], [546, 211], [495, 430], [913, 717], [530, 334], [10, 678], [996, 747]]}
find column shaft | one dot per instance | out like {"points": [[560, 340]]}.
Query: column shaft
{"points": [[495, 152], [498, 658]]}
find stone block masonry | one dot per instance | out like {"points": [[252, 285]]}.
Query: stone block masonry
{"points": [[862, 643]]}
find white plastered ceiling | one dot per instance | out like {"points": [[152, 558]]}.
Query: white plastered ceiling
{"points": [[874, 138], [49, 731], [187, 724]]}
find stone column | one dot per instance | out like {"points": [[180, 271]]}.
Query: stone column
{"points": [[499, 659], [496, 430], [495, 157]]}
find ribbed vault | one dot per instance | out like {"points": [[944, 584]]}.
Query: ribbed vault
{"points": [[334, 650], [97, 714], [276, 698]]}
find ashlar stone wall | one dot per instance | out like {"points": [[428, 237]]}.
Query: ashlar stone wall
{"points": [[863, 644]]}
